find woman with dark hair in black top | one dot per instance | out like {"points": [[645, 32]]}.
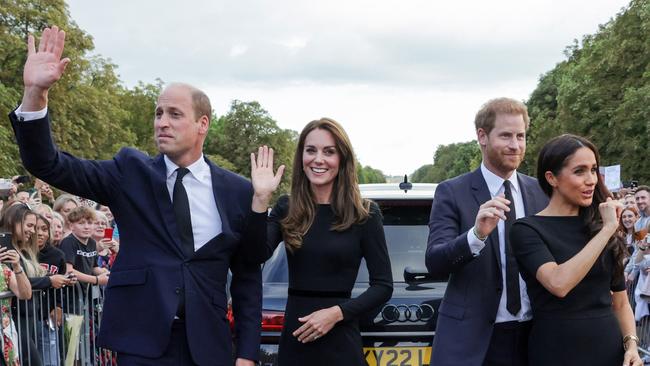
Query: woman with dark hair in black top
{"points": [[327, 228], [572, 263]]}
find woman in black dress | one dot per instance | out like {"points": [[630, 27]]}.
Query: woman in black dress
{"points": [[327, 228], [572, 263]]}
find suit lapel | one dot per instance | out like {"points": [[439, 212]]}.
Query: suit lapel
{"points": [[219, 191], [158, 180], [482, 194]]}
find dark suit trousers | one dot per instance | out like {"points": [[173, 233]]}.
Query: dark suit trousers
{"points": [[508, 345], [177, 352]]}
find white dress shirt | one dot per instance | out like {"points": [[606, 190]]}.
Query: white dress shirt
{"points": [[495, 186], [206, 221]]}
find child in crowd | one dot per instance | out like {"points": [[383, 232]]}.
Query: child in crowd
{"points": [[81, 250]]}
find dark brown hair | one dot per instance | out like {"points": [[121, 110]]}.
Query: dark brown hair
{"points": [[552, 158], [346, 202]]}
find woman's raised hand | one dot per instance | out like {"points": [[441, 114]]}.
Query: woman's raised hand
{"points": [[265, 182], [610, 211]]}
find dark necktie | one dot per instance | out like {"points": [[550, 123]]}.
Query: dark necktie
{"points": [[182, 211], [513, 299]]}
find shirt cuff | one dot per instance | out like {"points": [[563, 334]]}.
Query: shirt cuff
{"points": [[475, 245], [30, 116]]}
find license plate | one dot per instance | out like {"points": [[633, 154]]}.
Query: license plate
{"points": [[397, 356]]}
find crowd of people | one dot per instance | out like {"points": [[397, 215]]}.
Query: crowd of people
{"points": [[535, 265], [52, 242], [633, 228]]}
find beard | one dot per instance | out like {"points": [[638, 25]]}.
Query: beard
{"points": [[502, 162]]}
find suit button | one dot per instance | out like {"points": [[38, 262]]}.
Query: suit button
{"points": [[177, 290]]}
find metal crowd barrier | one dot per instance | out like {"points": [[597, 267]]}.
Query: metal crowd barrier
{"points": [[643, 324], [31, 334], [53, 328]]}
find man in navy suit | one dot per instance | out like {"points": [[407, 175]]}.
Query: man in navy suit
{"points": [[485, 315], [184, 222]]}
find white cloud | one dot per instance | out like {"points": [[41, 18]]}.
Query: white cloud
{"points": [[238, 50], [402, 76]]}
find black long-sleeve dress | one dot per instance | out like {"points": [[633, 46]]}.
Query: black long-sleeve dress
{"points": [[322, 274], [579, 329]]}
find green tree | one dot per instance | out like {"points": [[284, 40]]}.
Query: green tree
{"points": [[246, 126], [449, 161], [93, 113], [601, 91], [423, 174], [139, 104], [367, 174]]}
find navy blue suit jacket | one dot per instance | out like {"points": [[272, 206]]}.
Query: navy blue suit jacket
{"points": [[468, 310], [151, 272]]}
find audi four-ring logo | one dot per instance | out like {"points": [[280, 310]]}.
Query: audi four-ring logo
{"points": [[406, 313]]}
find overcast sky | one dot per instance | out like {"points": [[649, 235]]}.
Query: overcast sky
{"points": [[402, 77]]}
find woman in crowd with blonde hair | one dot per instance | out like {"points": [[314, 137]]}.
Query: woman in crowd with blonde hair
{"points": [[327, 228], [58, 222], [107, 248], [45, 211], [64, 204], [12, 278], [21, 222]]}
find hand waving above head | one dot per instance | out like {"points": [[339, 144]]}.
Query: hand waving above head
{"points": [[44, 66]]}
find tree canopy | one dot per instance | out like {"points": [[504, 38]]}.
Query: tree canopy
{"points": [[600, 91], [449, 161], [94, 114]]}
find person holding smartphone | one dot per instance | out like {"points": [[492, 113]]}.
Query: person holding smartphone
{"points": [[107, 247], [15, 281], [20, 221]]}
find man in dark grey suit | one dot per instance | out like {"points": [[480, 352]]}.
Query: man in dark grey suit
{"points": [[485, 315]]}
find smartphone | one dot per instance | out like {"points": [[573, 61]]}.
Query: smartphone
{"points": [[22, 179], [5, 241], [108, 233]]}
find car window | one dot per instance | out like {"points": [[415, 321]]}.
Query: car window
{"points": [[406, 230]]}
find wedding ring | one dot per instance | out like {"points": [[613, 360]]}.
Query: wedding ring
{"points": [[316, 337]]}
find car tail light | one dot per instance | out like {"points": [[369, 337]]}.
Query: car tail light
{"points": [[230, 317], [272, 321]]}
